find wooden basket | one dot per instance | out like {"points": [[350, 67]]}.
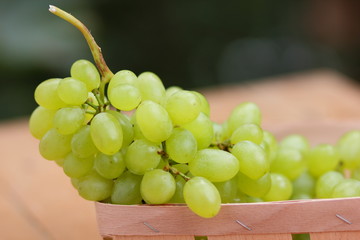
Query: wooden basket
{"points": [[323, 219]]}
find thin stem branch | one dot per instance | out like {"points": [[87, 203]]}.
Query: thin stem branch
{"points": [[95, 49]]}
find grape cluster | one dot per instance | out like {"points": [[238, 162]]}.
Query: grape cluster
{"points": [[129, 140], [140, 142]]}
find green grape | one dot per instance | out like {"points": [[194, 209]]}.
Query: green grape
{"points": [[151, 87], [75, 182], [250, 199], [325, 184], [298, 196], [346, 188], [171, 90], [141, 156], [106, 133], [123, 77], [304, 185], [181, 146], [355, 174], [46, 94], [75, 167], [124, 97], [60, 162], [252, 159], [272, 145], [184, 168], [109, 167], [246, 112], [126, 189], [321, 159], [126, 125], [247, 132], [154, 122], [349, 149], [295, 141], [255, 188], [202, 129], [82, 145], [215, 165], [137, 131], [202, 197], [72, 91], [183, 107], [86, 72], [289, 162], [157, 186], [178, 196], [41, 121], [54, 146], [228, 190], [93, 187], [69, 120], [281, 188], [204, 104]]}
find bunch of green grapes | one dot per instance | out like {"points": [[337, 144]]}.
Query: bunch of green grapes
{"points": [[124, 138]]}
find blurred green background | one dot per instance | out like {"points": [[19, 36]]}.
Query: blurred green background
{"points": [[192, 44]]}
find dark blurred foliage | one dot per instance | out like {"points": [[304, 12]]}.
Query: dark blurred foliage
{"points": [[191, 44]]}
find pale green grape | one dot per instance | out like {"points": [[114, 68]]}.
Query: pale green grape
{"points": [[171, 90], [109, 166], [154, 121], [54, 146], [202, 129], [289, 162], [75, 182], [325, 184], [69, 120], [183, 107], [157, 186], [151, 87], [126, 189], [346, 188], [182, 167], [252, 158], [304, 186], [228, 190], [41, 121], [202, 197], [281, 188], [93, 187], [46, 94], [247, 132], [349, 149], [82, 144], [246, 112], [204, 104], [321, 159], [181, 146], [271, 144], [75, 167], [123, 77], [215, 165], [86, 72], [106, 133], [141, 156], [295, 141], [255, 188], [124, 97], [72, 91], [178, 196], [126, 125]]}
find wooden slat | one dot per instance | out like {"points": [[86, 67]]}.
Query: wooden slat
{"points": [[252, 237], [335, 236], [153, 238], [321, 215]]}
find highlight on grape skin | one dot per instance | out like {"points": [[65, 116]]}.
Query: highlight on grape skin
{"points": [[124, 138]]}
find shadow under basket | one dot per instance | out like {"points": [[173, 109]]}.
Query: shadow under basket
{"points": [[323, 219]]}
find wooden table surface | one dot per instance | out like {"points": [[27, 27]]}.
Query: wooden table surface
{"points": [[38, 202]]}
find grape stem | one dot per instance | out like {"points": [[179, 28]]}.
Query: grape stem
{"points": [[104, 70]]}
